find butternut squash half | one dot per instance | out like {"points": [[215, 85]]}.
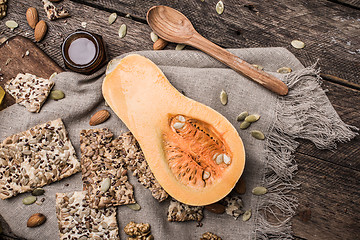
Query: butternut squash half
{"points": [[194, 152]]}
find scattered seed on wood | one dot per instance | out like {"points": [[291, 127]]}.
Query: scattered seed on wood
{"points": [[258, 134], [52, 75], [135, 206], [154, 37], [244, 125], [38, 192], [29, 200], [284, 70], [122, 31], [259, 191], [297, 44], [128, 15], [223, 97], [112, 18], [11, 24], [258, 67], [252, 118], [83, 24], [8, 61], [220, 7], [242, 116], [56, 95], [180, 47], [247, 215]]}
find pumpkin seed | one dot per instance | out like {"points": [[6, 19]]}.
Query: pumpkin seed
{"points": [[206, 175], [154, 37], [297, 44], [247, 215], [38, 192], [134, 206], [112, 18], [29, 200], [252, 118], [122, 31], [259, 191], [220, 7], [2, 94], [128, 15], [244, 125], [258, 134], [284, 70], [258, 67], [57, 95], [242, 116], [180, 47], [52, 75], [11, 24], [223, 97], [105, 185]]}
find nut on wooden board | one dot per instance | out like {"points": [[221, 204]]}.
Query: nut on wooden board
{"points": [[36, 220], [40, 30], [32, 17]]}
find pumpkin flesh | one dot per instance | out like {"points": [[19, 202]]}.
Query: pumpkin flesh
{"points": [[183, 160]]}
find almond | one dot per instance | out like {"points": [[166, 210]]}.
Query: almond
{"points": [[32, 17], [40, 30], [159, 44], [99, 117], [36, 220]]}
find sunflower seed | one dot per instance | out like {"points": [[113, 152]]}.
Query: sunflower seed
{"points": [[134, 206], [154, 37], [284, 70], [11, 24], [38, 192], [259, 191], [297, 44], [220, 7], [223, 97], [257, 134], [83, 24], [180, 47], [258, 67], [105, 185], [242, 116], [252, 118], [247, 215], [244, 125], [112, 18], [122, 31], [29, 200], [57, 95]]}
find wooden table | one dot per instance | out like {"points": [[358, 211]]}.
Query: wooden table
{"points": [[330, 29]]}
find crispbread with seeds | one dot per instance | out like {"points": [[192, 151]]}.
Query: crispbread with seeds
{"points": [[104, 177], [29, 90], [53, 12], [36, 157], [77, 221], [135, 161], [233, 206], [180, 212]]}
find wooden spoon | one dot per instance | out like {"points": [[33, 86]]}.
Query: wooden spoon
{"points": [[173, 26]]}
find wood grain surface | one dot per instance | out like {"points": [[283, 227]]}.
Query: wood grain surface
{"points": [[330, 190]]}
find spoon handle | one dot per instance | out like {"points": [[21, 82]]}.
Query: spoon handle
{"points": [[266, 80]]}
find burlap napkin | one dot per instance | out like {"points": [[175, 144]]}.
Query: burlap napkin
{"points": [[304, 113]]}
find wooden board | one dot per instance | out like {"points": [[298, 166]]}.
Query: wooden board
{"points": [[13, 61]]}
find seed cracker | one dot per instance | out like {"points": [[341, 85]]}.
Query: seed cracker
{"points": [[36, 157], [53, 12], [233, 206], [29, 91], [100, 163], [180, 212], [210, 236], [76, 220], [135, 161]]}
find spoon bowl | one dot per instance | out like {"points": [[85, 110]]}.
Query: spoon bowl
{"points": [[170, 24]]}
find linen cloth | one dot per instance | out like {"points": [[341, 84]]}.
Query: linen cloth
{"points": [[268, 163]]}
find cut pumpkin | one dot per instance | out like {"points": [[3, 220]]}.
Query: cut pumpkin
{"points": [[194, 152]]}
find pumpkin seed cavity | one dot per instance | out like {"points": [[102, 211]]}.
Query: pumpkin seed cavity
{"points": [[258, 134], [220, 7], [259, 191], [122, 31], [223, 97], [112, 18], [134, 206]]}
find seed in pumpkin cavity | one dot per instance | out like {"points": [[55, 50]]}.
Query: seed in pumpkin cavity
{"points": [[220, 158], [206, 175], [181, 118], [226, 159], [178, 125]]}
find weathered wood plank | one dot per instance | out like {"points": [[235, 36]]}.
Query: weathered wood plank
{"points": [[332, 194], [330, 30]]}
